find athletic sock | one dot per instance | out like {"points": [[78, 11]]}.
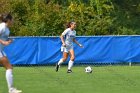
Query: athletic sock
{"points": [[9, 78], [60, 62], [70, 64]]}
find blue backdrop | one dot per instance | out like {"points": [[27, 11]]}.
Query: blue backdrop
{"points": [[97, 49]]}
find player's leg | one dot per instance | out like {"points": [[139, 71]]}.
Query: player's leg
{"points": [[70, 64], [65, 56], [9, 75]]}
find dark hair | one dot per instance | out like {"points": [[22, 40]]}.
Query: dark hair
{"points": [[69, 24], [5, 17]]}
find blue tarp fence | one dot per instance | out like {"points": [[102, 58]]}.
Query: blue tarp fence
{"points": [[97, 49]]}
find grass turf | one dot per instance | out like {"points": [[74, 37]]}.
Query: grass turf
{"points": [[106, 79]]}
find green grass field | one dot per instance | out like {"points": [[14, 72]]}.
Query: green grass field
{"points": [[105, 79]]}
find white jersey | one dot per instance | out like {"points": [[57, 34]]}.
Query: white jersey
{"points": [[69, 36], [4, 34]]}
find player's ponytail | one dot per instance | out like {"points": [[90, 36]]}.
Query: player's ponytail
{"points": [[5, 17], [68, 24]]}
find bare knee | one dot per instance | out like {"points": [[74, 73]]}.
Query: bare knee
{"points": [[4, 61], [72, 58], [64, 59]]}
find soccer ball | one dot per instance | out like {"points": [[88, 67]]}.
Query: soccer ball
{"points": [[88, 69]]}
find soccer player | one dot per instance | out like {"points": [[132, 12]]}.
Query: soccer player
{"points": [[67, 38], [6, 22]]}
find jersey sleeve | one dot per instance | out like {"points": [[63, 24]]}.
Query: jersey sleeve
{"points": [[1, 30], [65, 32]]}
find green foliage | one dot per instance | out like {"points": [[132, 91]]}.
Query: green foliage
{"points": [[93, 17]]}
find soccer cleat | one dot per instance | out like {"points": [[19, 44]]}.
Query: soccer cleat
{"points": [[14, 90], [57, 67], [69, 71]]}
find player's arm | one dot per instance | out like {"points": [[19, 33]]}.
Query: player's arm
{"points": [[5, 42], [62, 37], [62, 40], [75, 41]]}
